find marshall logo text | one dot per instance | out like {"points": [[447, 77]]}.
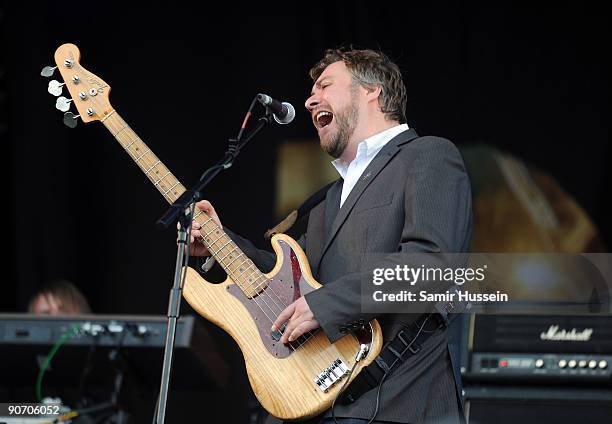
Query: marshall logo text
{"points": [[554, 334]]}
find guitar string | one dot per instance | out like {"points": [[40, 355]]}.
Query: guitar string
{"points": [[166, 193], [221, 259], [307, 336], [320, 349], [236, 278], [302, 339], [259, 286], [304, 336]]}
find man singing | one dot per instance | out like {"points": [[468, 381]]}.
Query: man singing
{"points": [[398, 194]]}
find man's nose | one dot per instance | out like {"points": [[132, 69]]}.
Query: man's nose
{"points": [[311, 102]]}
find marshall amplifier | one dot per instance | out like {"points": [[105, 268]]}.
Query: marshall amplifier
{"points": [[545, 348]]}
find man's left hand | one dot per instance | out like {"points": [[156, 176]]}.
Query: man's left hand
{"points": [[301, 320]]}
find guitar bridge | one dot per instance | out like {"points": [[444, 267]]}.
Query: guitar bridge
{"points": [[331, 375]]}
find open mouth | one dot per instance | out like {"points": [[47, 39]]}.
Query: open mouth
{"points": [[323, 119]]}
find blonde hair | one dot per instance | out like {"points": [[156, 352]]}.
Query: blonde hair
{"points": [[70, 298]]}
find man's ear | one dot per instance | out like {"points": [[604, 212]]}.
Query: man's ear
{"points": [[373, 92]]}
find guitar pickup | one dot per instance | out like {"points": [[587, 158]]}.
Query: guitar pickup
{"points": [[276, 335]]}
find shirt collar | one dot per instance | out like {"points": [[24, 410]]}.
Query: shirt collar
{"points": [[369, 147]]}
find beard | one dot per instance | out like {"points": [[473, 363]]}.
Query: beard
{"points": [[346, 120]]}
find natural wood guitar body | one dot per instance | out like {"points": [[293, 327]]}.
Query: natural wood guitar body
{"points": [[284, 386]]}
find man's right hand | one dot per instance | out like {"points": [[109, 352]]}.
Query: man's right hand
{"points": [[196, 246]]}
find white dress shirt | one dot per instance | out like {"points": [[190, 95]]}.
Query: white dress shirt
{"points": [[366, 150], [351, 172]]}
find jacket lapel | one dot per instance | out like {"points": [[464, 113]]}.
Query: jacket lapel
{"points": [[369, 174], [332, 204]]}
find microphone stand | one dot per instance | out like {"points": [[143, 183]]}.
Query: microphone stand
{"points": [[181, 210]]}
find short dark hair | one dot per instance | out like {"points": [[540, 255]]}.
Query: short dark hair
{"points": [[371, 68]]}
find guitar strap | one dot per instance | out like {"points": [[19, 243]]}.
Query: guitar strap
{"points": [[302, 212], [407, 342]]}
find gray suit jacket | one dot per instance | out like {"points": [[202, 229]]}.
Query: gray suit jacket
{"points": [[414, 197]]}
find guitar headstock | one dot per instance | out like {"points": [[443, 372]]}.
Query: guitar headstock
{"points": [[88, 92]]}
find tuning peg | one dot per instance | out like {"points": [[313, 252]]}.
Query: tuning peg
{"points": [[63, 104], [70, 119], [55, 87], [47, 71]]}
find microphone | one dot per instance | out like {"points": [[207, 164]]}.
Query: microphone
{"points": [[283, 112]]}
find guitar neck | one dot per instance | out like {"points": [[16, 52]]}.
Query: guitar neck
{"points": [[241, 269]]}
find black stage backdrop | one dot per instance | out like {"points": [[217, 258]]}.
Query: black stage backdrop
{"points": [[529, 80]]}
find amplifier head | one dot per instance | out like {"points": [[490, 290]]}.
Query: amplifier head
{"points": [[542, 348], [541, 333]]}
